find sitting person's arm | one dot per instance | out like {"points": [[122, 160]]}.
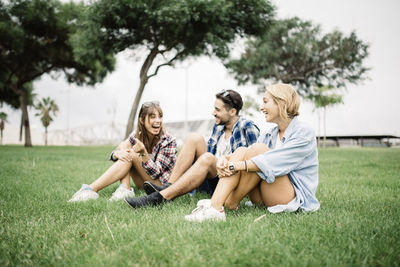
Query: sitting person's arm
{"points": [[165, 157], [121, 151]]}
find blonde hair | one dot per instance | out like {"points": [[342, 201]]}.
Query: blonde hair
{"points": [[287, 99]]}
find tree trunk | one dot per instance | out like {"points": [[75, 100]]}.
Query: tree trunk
{"points": [[21, 127], [324, 127], [1, 138], [45, 136], [25, 116], [143, 81]]}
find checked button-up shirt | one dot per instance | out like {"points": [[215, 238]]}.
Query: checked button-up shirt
{"points": [[244, 133], [162, 158]]}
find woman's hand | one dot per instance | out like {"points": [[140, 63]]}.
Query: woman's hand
{"points": [[124, 154], [139, 147], [223, 167]]}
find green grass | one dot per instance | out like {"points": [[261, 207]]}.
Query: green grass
{"points": [[358, 223]]}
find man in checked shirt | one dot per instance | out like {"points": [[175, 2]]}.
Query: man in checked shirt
{"points": [[195, 167]]}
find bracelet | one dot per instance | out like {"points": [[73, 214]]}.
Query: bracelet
{"points": [[245, 164]]}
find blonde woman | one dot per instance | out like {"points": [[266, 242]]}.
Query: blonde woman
{"points": [[147, 155], [279, 172]]}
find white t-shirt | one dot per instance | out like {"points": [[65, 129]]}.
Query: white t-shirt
{"points": [[223, 146]]}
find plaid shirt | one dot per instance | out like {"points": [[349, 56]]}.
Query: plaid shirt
{"points": [[244, 133], [162, 159]]}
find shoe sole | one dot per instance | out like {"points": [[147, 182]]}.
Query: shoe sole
{"points": [[127, 203], [207, 220], [149, 188]]}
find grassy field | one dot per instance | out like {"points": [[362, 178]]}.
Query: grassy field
{"points": [[358, 223]]}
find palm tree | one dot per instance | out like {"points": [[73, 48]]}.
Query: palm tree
{"points": [[45, 107], [325, 97], [3, 120]]}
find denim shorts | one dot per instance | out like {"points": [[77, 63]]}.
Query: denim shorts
{"points": [[208, 185]]}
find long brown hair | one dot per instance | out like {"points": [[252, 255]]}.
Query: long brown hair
{"points": [[146, 110]]}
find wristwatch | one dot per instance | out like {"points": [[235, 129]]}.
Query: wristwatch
{"points": [[232, 167], [112, 158]]}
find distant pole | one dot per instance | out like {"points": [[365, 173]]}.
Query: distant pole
{"points": [[324, 127], [319, 127], [186, 129], [68, 109]]}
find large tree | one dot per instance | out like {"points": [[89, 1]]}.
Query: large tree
{"points": [[297, 52], [3, 120], [8, 96], [164, 32], [34, 40]]}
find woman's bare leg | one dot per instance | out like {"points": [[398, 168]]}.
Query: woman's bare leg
{"points": [[139, 174], [279, 192], [255, 196], [126, 181], [226, 185], [116, 172], [122, 170], [230, 191], [248, 180], [139, 178]]}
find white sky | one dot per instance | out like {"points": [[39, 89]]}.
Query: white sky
{"points": [[369, 108]]}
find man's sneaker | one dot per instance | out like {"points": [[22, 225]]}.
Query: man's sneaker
{"points": [[122, 193], [153, 199], [204, 213], [84, 194], [150, 188]]}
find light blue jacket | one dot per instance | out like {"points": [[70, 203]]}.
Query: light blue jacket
{"points": [[297, 157]]}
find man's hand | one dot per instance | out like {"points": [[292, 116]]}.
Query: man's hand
{"points": [[223, 167]]}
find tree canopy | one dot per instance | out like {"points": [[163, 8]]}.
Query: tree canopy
{"points": [[169, 31], [34, 40], [295, 51]]}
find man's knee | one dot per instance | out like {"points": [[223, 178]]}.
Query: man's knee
{"points": [[207, 159], [255, 150], [194, 138]]}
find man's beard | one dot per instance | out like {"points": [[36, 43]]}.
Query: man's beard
{"points": [[223, 122]]}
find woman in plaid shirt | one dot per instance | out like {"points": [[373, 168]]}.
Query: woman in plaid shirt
{"points": [[147, 155]]}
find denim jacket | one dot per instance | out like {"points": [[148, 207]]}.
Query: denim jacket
{"points": [[297, 157]]}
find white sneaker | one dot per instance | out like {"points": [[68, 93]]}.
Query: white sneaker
{"points": [[202, 213], [249, 203], [84, 194], [204, 203], [122, 193]]}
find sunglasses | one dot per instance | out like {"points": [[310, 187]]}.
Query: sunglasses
{"points": [[227, 95], [149, 103]]}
